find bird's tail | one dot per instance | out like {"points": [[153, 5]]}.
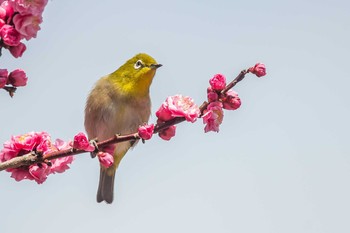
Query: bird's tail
{"points": [[106, 183]]}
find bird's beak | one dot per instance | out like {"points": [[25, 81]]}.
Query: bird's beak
{"points": [[155, 66]]}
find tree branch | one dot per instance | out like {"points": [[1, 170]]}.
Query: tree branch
{"points": [[33, 158]]}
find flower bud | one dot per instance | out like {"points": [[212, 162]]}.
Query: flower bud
{"points": [[259, 70], [17, 78]]}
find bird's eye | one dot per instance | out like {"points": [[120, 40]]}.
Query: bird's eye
{"points": [[138, 64]]}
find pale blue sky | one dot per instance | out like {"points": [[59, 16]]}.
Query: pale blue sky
{"points": [[279, 164]]}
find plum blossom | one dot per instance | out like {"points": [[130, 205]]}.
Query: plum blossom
{"points": [[81, 142], [218, 82], [146, 131], [167, 134], [34, 7], [213, 116], [3, 77], [2, 13], [231, 101], [39, 142], [39, 172], [9, 35], [17, 78], [19, 19], [259, 70], [105, 158], [27, 25], [212, 95], [178, 106], [6, 11], [17, 51]]}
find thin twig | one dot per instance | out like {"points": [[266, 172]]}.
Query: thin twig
{"points": [[11, 90]]}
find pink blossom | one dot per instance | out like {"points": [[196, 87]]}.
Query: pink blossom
{"points": [[146, 131], [213, 116], [2, 23], [20, 174], [218, 82], [61, 164], [8, 152], [81, 142], [17, 51], [62, 145], [178, 106], [45, 146], [2, 13], [3, 77], [18, 78], [25, 142], [9, 35], [8, 9], [167, 134], [39, 172], [212, 95], [259, 69], [34, 7], [27, 25], [106, 159], [231, 101], [39, 142]]}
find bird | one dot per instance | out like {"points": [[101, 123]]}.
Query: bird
{"points": [[118, 104]]}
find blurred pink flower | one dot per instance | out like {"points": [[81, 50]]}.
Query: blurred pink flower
{"points": [[62, 145], [2, 23], [106, 159], [17, 78], [25, 142], [61, 164], [27, 25], [231, 101], [39, 142], [39, 172], [20, 174], [218, 82], [3, 77], [212, 95], [18, 50], [178, 106], [8, 9], [34, 7], [9, 35], [8, 152], [168, 133], [146, 131], [2, 13], [213, 116], [81, 142], [259, 69]]}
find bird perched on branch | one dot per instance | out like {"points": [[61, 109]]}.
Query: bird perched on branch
{"points": [[118, 104]]}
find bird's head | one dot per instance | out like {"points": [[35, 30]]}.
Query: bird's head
{"points": [[136, 75]]}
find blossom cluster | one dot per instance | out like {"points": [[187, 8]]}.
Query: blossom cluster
{"points": [[16, 78], [19, 19], [214, 114], [39, 142], [172, 107], [184, 106], [176, 106], [105, 157]]}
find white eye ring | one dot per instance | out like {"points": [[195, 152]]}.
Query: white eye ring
{"points": [[138, 64]]}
